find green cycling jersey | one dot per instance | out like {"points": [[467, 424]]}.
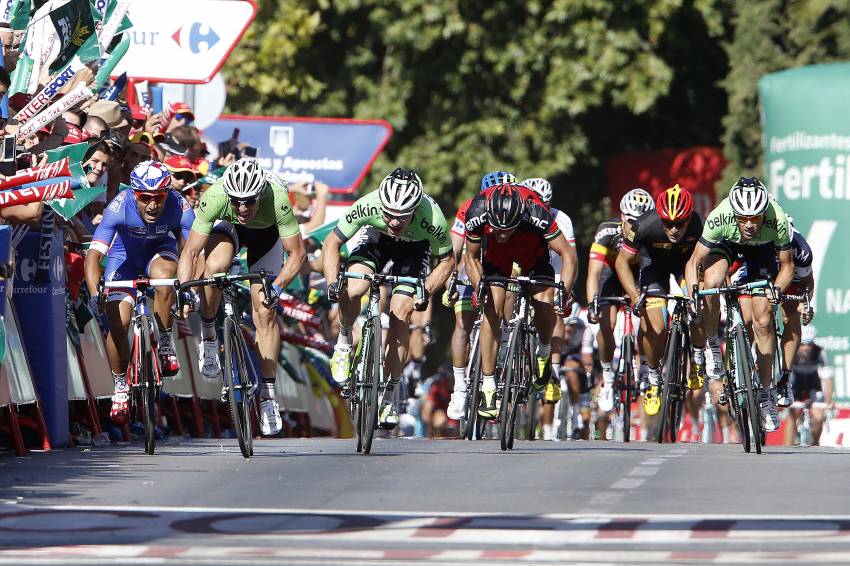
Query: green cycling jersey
{"points": [[274, 209], [428, 223], [720, 226]]}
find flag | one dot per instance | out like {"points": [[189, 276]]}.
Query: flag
{"points": [[35, 192], [19, 15], [75, 153], [109, 63], [74, 25], [68, 208]]}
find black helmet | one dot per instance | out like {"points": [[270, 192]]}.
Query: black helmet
{"points": [[504, 206]]}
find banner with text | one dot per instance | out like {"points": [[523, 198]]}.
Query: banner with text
{"points": [[335, 151], [807, 153]]}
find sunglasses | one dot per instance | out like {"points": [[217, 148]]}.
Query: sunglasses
{"points": [[184, 176], [237, 202], [753, 219], [677, 224], [187, 118], [147, 198], [399, 217]]}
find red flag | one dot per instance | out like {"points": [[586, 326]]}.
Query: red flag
{"points": [[14, 197], [34, 174]]}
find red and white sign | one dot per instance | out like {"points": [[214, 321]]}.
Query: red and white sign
{"points": [[183, 42]]}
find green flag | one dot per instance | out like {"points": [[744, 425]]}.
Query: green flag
{"points": [[74, 152], [21, 75], [74, 25], [111, 61], [19, 15], [67, 208]]}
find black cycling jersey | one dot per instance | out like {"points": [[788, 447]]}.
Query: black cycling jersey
{"points": [[647, 237]]}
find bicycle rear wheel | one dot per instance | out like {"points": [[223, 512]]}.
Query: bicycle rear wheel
{"points": [[238, 385], [371, 377], [627, 383], [745, 368], [147, 390]]}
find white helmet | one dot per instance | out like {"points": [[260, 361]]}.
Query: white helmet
{"points": [[541, 187], [244, 179], [400, 191], [808, 335], [636, 202], [748, 197]]}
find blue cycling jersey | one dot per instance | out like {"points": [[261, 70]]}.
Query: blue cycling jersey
{"points": [[124, 234]]}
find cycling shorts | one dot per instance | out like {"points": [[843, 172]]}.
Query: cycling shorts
{"points": [[656, 278], [464, 300], [120, 268], [757, 262], [375, 250], [541, 269], [805, 386], [265, 250]]}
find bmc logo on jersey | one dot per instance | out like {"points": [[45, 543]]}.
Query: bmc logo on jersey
{"points": [[475, 222], [541, 223]]}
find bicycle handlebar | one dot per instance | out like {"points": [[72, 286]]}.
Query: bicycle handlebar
{"points": [[140, 283], [220, 279], [734, 289], [380, 279], [522, 281]]}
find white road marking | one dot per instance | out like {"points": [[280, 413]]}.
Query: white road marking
{"points": [[627, 483]]}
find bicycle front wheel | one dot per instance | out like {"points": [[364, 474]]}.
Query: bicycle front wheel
{"points": [[627, 384], [147, 390], [473, 395], [238, 385], [372, 382], [512, 362], [745, 369]]}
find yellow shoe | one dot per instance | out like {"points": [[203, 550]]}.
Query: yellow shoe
{"points": [[651, 401], [696, 378], [553, 393]]}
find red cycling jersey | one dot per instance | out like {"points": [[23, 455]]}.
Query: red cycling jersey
{"points": [[527, 246]]}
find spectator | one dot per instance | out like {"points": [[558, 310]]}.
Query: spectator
{"points": [[96, 163], [183, 173], [95, 126], [73, 118], [436, 401], [179, 114], [110, 112], [170, 146]]}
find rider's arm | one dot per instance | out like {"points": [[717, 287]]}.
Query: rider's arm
{"points": [[627, 256], [440, 273], [692, 267], [92, 270], [569, 260], [192, 250], [295, 257], [330, 256], [457, 248], [786, 269], [594, 274], [473, 264]]}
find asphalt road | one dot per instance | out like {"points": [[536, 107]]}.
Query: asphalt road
{"points": [[315, 501]]}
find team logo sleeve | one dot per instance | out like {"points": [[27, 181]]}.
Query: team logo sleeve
{"points": [[287, 225], [105, 231]]}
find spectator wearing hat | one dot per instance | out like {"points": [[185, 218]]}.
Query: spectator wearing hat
{"points": [[183, 173], [110, 112], [179, 114], [95, 126]]}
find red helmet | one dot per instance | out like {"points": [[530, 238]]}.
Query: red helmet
{"points": [[674, 204]]}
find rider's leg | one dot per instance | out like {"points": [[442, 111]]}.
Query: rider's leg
{"points": [[576, 378], [348, 308], [398, 338], [816, 415], [418, 343], [464, 320], [791, 333], [544, 322], [653, 332], [715, 268], [765, 335], [607, 344], [119, 313], [218, 254]]}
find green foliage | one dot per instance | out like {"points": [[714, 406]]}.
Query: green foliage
{"points": [[535, 87], [771, 35]]}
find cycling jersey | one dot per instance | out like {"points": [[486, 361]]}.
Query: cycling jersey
{"points": [[754, 263], [528, 246], [720, 226], [807, 371], [274, 210], [428, 223], [607, 242], [131, 244], [659, 257], [802, 256]]}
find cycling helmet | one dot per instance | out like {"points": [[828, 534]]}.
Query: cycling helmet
{"points": [[748, 197], [494, 178], [150, 177], [504, 207], [245, 179], [636, 202], [808, 335], [674, 204], [400, 191], [541, 187]]}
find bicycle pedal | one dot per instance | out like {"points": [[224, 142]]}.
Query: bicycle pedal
{"points": [[386, 426]]}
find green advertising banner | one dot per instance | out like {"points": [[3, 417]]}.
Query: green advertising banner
{"points": [[807, 161]]}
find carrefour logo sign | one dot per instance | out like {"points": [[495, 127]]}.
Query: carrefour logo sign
{"points": [[196, 37]]}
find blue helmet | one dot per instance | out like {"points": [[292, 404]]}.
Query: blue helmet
{"points": [[494, 178], [150, 177]]}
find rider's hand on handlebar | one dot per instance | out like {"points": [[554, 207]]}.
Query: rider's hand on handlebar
{"points": [[187, 301], [807, 313], [422, 304], [334, 291], [96, 301], [272, 298], [639, 304], [593, 311], [450, 297]]}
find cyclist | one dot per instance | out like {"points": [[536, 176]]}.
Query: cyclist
{"points": [[811, 377], [552, 394], [138, 235], [601, 279], [753, 226], [251, 209], [400, 224], [461, 299], [514, 225], [665, 240]]}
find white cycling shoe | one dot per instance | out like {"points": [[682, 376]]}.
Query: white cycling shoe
{"points": [[270, 421], [388, 416], [769, 414], [605, 400], [457, 405], [208, 362]]}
